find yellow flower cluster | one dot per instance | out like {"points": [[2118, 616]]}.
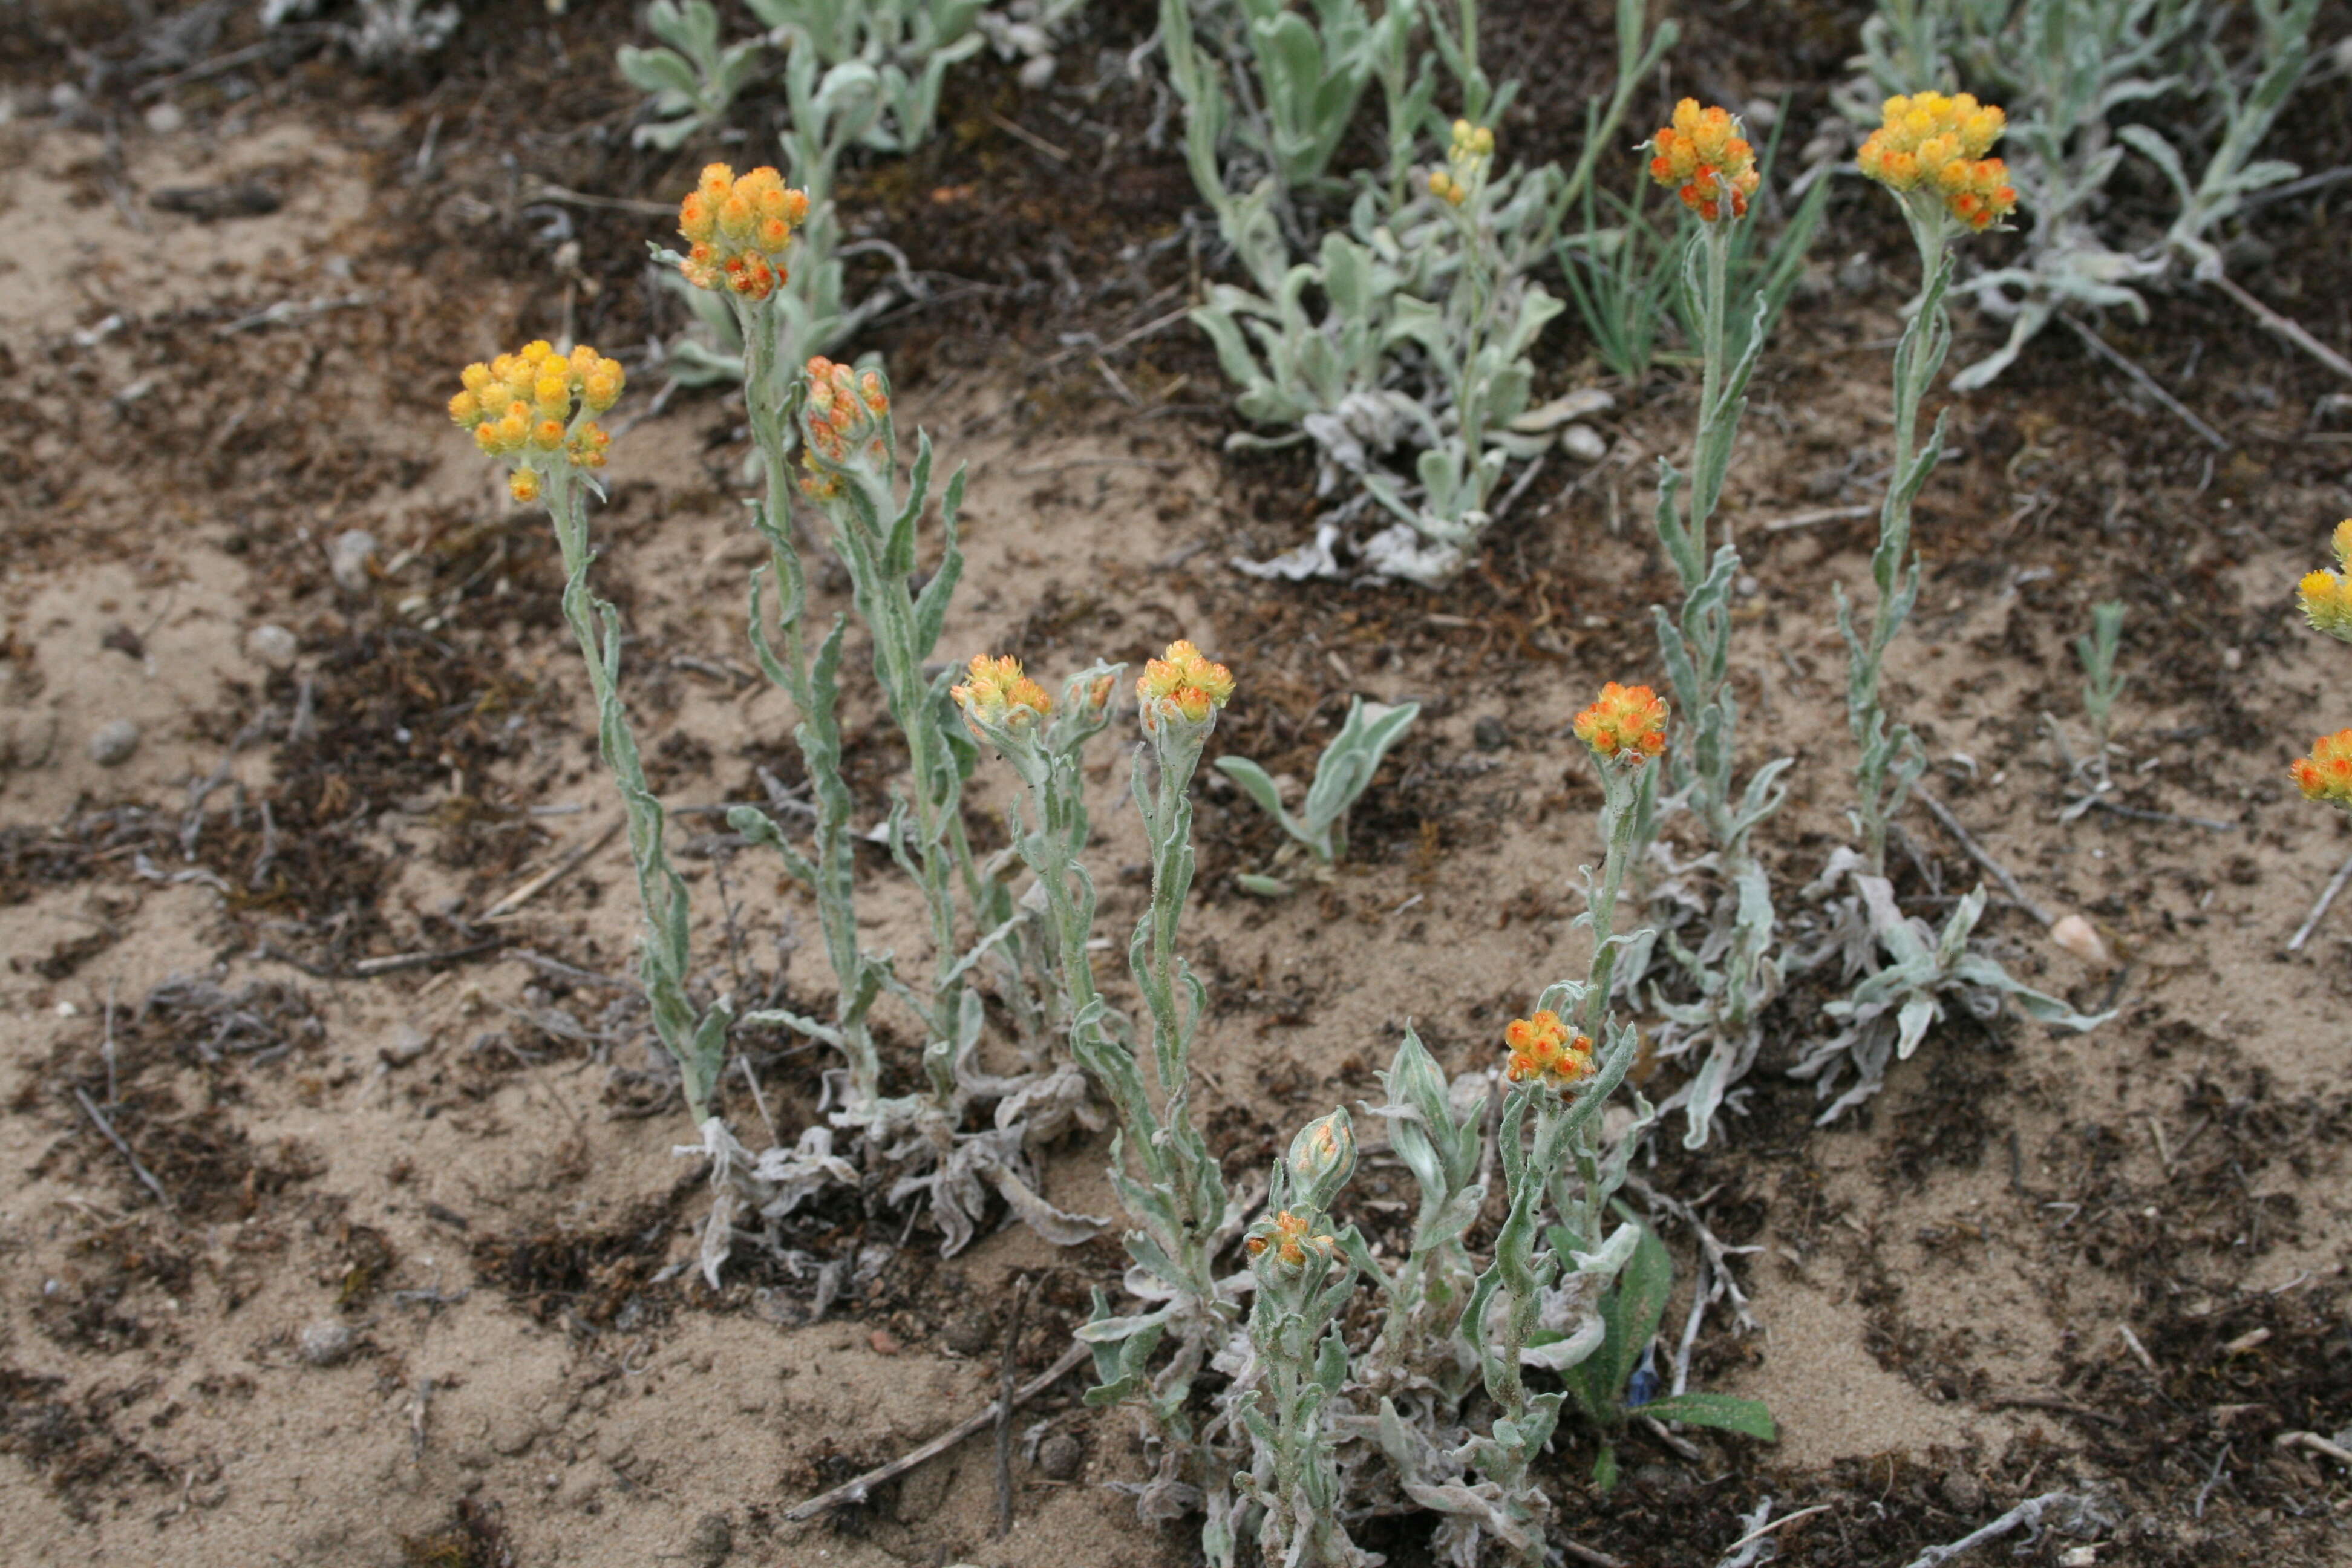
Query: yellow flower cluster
{"points": [[535, 404], [1545, 1050], [2326, 773], [1289, 1234], [1184, 684], [1703, 154], [1935, 143], [2326, 596], [1628, 722], [1466, 158], [999, 694], [739, 229]]}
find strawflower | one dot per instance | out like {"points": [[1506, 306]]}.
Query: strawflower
{"points": [[1183, 685], [739, 229], [536, 408], [2326, 773], [1703, 154], [2326, 596], [998, 694], [1545, 1050], [1628, 723], [1936, 144]]}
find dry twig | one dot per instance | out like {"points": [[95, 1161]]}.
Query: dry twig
{"points": [[857, 1490], [1977, 853]]}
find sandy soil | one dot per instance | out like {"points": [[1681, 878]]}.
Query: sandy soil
{"points": [[400, 1277]]}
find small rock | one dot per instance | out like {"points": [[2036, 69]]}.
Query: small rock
{"points": [[112, 745], [884, 1342], [1583, 443], [1038, 74], [1963, 1493], [712, 1543], [1061, 1456], [271, 645], [326, 1343], [1488, 734], [968, 1334], [512, 1435], [165, 119], [348, 559]]}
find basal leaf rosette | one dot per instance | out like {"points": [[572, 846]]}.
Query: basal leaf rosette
{"points": [[536, 408]]}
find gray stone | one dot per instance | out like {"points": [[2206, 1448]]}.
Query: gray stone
{"points": [[712, 1543], [112, 746], [348, 559], [327, 1342], [1963, 1493], [1061, 1456], [271, 645]]}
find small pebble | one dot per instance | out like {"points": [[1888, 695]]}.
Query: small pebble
{"points": [[1061, 1456], [1584, 443], [114, 743], [884, 1342], [1963, 1493], [1488, 734], [969, 1332], [712, 1543], [271, 645], [165, 118], [326, 1343], [347, 561]]}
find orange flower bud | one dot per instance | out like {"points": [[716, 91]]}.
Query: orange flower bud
{"points": [[2326, 773], [1543, 1051], [1931, 142], [1627, 723], [523, 485]]}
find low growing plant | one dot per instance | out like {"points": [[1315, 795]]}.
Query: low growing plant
{"points": [[1341, 775]]}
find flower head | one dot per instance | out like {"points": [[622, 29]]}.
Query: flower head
{"points": [[2326, 596], [1184, 684], [1000, 695], [2326, 773], [1545, 1050], [1289, 1234], [738, 230], [846, 419], [535, 408], [1467, 157], [1628, 722], [1703, 154], [1936, 144]]}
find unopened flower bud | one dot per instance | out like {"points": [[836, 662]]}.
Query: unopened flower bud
{"points": [[1000, 697], [1322, 1157], [1545, 1051], [1183, 685], [2326, 773], [1290, 1236]]}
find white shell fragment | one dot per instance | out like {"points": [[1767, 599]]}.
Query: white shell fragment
{"points": [[2082, 939]]}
